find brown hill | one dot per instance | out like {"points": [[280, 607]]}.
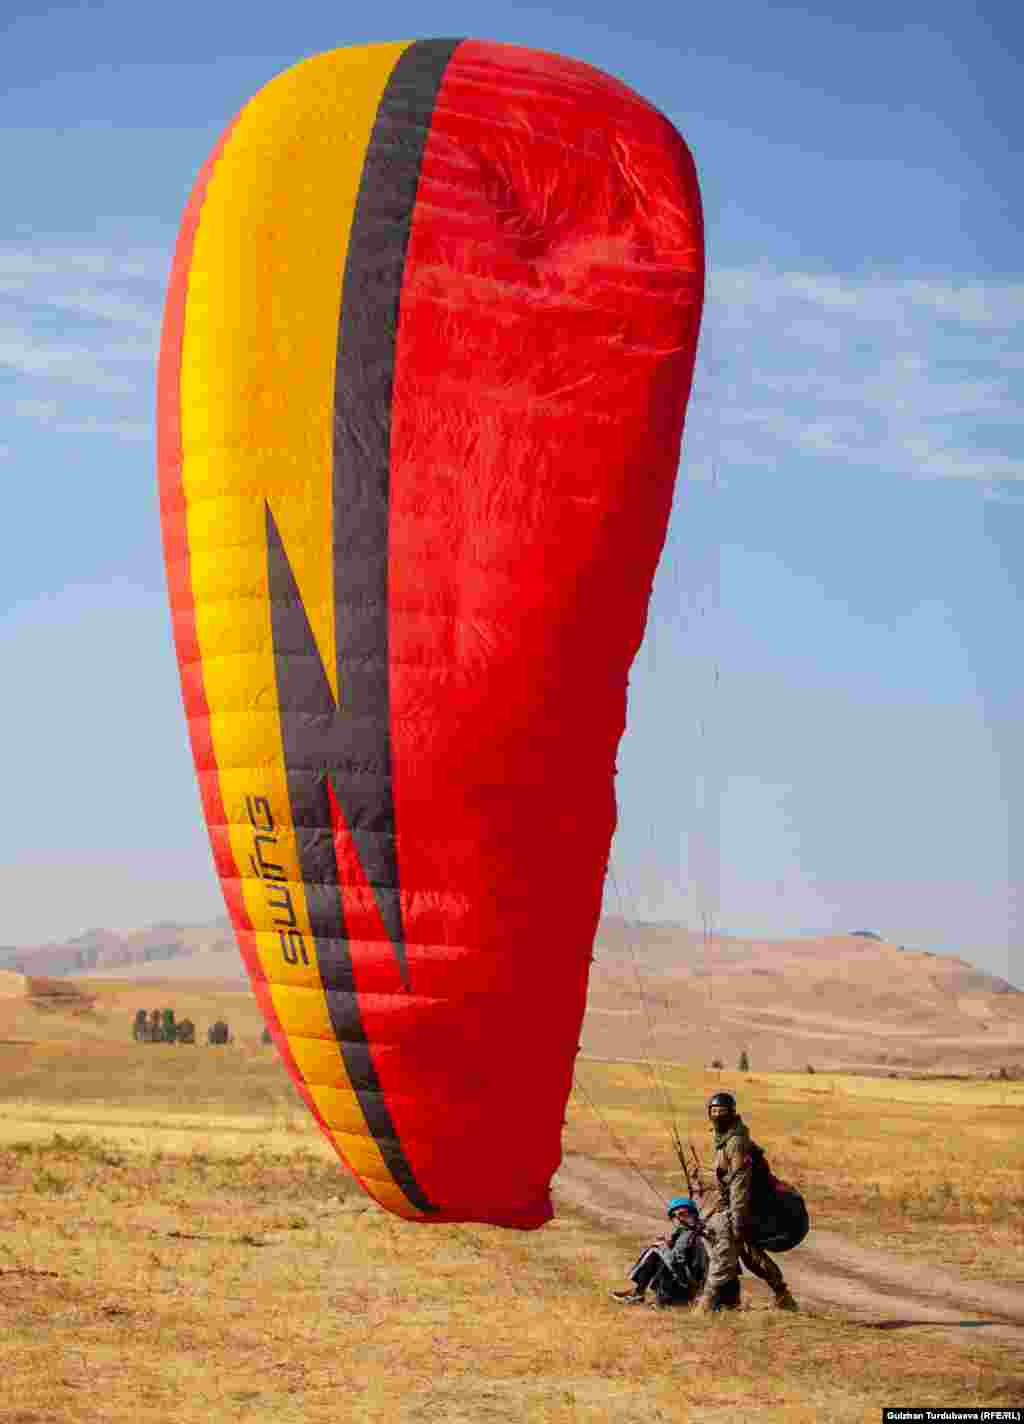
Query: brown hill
{"points": [[840, 1002]]}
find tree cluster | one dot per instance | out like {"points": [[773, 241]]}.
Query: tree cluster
{"points": [[160, 1026]]}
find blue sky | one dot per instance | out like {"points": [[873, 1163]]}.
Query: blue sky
{"points": [[825, 719]]}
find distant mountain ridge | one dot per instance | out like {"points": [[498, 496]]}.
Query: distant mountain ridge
{"points": [[661, 943], [840, 1002], [104, 949]]}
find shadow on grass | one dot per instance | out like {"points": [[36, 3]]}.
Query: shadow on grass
{"points": [[945, 1324]]}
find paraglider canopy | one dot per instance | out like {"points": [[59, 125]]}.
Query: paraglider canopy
{"points": [[427, 347]]}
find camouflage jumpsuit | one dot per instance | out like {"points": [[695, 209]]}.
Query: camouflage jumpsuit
{"points": [[727, 1228]]}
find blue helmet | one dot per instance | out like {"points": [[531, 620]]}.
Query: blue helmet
{"points": [[686, 1204]]}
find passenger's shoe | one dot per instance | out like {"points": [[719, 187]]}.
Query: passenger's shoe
{"points": [[729, 1295], [628, 1297], [784, 1301]]}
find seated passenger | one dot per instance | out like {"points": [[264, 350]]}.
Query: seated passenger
{"points": [[673, 1268]]}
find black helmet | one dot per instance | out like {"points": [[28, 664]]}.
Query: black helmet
{"points": [[721, 1100]]}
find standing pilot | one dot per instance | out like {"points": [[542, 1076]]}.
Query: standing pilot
{"points": [[738, 1162]]}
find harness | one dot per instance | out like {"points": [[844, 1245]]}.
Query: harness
{"points": [[763, 1181]]}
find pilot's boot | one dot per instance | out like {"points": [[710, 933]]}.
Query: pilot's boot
{"points": [[723, 1297]]}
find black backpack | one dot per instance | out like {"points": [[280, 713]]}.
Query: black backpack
{"points": [[778, 1216]]}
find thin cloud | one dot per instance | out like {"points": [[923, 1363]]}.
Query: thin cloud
{"points": [[120, 429], [26, 353], [1005, 492], [139, 264], [945, 462], [45, 411], [79, 328], [973, 303], [91, 303], [886, 300], [917, 378], [56, 417]]}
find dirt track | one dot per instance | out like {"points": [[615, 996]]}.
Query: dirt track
{"points": [[827, 1272]]}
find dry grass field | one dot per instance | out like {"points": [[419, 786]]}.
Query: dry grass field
{"points": [[176, 1238]]}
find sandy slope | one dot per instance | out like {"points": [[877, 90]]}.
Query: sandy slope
{"points": [[827, 1271]]}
